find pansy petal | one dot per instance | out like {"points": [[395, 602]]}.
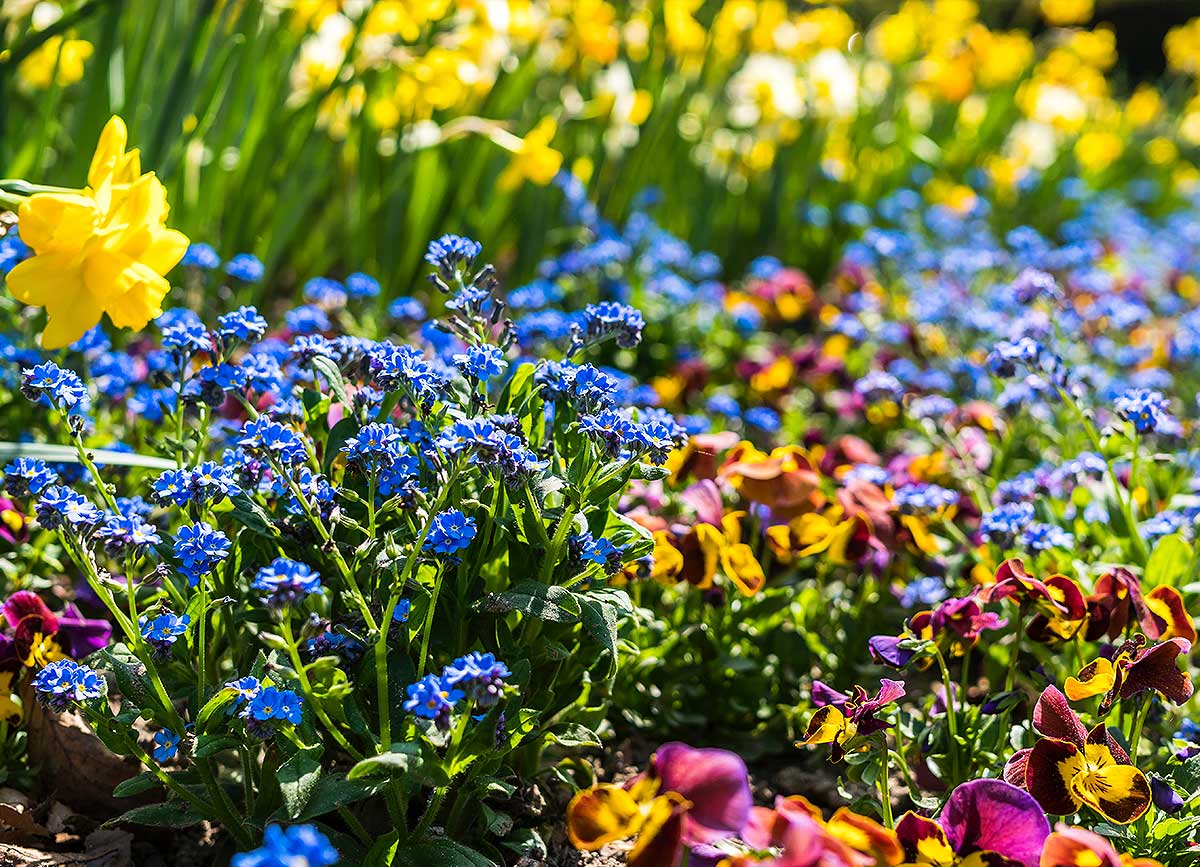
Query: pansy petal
{"points": [[25, 604], [1095, 678], [1156, 669], [600, 815], [1077, 847], [715, 781], [742, 568], [1016, 768], [923, 840], [1168, 616], [1051, 765], [658, 843], [1120, 793], [1053, 717], [824, 727], [994, 816], [863, 834]]}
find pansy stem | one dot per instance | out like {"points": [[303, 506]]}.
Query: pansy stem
{"points": [[885, 796], [1134, 735], [951, 713]]}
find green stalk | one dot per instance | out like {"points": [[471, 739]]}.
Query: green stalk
{"points": [[885, 796], [306, 685], [951, 713]]}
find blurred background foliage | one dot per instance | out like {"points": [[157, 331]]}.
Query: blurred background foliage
{"points": [[328, 136]]}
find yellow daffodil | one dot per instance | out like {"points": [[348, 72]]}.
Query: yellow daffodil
{"points": [[1063, 13], [534, 159], [57, 60], [101, 250]]}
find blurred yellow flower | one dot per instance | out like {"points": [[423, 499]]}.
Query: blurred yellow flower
{"points": [[1063, 13], [101, 250], [1182, 47], [56, 61], [534, 159], [1144, 106]]}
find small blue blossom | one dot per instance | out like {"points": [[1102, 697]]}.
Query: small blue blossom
{"points": [[201, 256], [60, 505], [407, 308], [402, 611], [611, 319], [433, 698], [452, 531], [286, 582], [923, 592], [1039, 536], [762, 417], [123, 534], [449, 251], [298, 846], [360, 285], [166, 745], [326, 292], [25, 476], [306, 319], [245, 267], [60, 388], [1146, 409], [481, 362], [1006, 521], [270, 704], [243, 324], [924, 498], [479, 675], [164, 630], [60, 684], [199, 547]]}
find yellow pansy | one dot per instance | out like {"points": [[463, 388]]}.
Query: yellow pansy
{"points": [[43, 650], [10, 711], [101, 250]]}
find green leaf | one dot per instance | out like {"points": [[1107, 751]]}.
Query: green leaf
{"points": [[338, 435], [249, 514], [298, 777], [403, 761], [540, 601], [333, 374], [143, 782], [172, 814], [442, 853], [210, 745], [333, 791], [383, 852], [1168, 563], [223, 697], [130, 675], [573, 735], [600, 622], [68, 455]]}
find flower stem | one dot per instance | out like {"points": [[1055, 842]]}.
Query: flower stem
{"points": [[306, 685], [885, 796]]}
